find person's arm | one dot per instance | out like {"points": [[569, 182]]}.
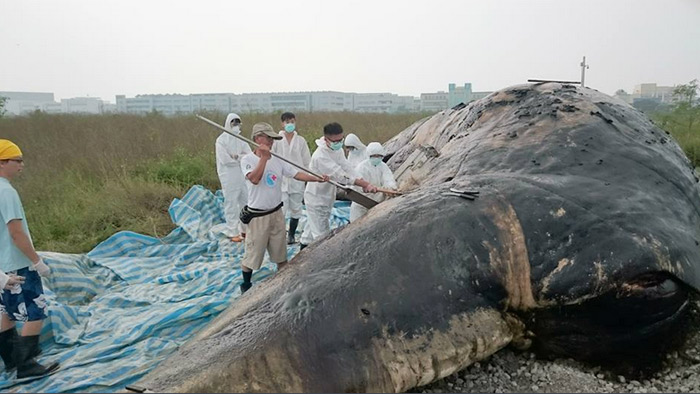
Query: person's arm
{"points": [[302, 176], [256, 175], [224, 154], [366, 186], [305, 153], [21, 240]]}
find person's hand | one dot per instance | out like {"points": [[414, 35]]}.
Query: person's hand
{"points": [[41, 268], [369, 188], [264, 151], [325, 178], [13, 280]]}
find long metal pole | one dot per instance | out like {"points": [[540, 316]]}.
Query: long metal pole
{"points": [[364, 199]]}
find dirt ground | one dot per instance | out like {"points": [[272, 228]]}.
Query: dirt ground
{"points": [[513, 371]]}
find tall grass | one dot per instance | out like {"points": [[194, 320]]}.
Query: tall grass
{"points": [[688, 137], [89, 176]]}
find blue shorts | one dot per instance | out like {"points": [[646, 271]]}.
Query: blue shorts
{"points": [[24, 302]]}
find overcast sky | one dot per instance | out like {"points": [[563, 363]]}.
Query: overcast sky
{"points": [[102, 48]]}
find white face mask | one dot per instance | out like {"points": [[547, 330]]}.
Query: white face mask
{"points": [[235, 129]]}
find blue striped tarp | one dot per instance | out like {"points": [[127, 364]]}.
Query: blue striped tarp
{"points": [[119, 310]]}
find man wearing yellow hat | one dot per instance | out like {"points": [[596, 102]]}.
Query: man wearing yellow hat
{"points": [[22, 297]]}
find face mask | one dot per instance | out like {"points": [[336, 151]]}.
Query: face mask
{"points": [[235, 129], [336, 145], [289, 127], [375, 160]]}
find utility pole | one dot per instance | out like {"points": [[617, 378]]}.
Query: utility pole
{"points": [[584, 66]]}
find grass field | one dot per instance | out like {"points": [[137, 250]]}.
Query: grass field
{"points": [[89, 176]]}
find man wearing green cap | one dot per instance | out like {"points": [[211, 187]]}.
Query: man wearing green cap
{"points": [[20, 266]]}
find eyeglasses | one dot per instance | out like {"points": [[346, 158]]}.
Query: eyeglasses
{"points": [[330, 140]]}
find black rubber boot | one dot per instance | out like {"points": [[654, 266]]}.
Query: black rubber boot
{"points": [[246, 285], [293, 223], [302, 246], [7, 343], [22, 356]]}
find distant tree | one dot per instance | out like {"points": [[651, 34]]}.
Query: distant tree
{"points": [[620, 92], [686, 111], [3, 100], [687, 93]]}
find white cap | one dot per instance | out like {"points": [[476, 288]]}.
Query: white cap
{"points": [[375, 148]]}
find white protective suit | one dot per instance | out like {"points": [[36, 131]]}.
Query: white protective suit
{"points": [[320, 196], [358, 155], [296, 151], [229, 151], [379, 175]]}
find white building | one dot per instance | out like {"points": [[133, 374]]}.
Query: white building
{"points": [[331, 101], [80, 105], [373, 102], [19, 103], [433, 102]]}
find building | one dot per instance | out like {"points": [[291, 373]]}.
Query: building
{"points": [[324, 101], [79, 105], [652, 91], [373, 102], [433, 102], [331, 101], [174, 104], [459, 94], [647, 93], [18, 103]]}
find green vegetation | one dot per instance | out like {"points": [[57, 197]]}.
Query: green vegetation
{"points": [[3, 101], [89, 176], [682, 119]]}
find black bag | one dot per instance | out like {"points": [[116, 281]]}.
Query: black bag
{"points": [[247, 214]]}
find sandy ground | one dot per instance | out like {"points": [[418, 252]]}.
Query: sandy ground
{"points": [[513, 371]]}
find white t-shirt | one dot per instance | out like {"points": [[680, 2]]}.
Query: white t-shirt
{"points": [[267, 194]]}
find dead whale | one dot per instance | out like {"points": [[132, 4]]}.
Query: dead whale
{"points": [[584, 240]]}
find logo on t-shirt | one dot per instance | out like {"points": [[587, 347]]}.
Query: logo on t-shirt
{"points": [[271, 179]]}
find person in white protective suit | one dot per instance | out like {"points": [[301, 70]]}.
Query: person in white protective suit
{"points": [[328, 158], [229, 151], [292, 147], [375, 171], [356, 150]]}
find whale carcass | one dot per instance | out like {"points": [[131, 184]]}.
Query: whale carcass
{"points": [[583, 241]]}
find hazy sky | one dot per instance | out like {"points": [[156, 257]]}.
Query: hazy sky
{"points": [[102, 48]]}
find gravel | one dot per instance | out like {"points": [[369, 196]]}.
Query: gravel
{"points": [[510, 371]]}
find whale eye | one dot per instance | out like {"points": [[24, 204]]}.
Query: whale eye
{"points": [[365, 311]]}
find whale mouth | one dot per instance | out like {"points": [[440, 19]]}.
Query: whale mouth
{"points": [[631, 320]]}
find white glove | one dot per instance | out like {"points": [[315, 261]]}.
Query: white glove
{"points": [[41, 268]]}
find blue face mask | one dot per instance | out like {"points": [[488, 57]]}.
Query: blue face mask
{"points": [[289, 127], [338, 145], [375, 160]]}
